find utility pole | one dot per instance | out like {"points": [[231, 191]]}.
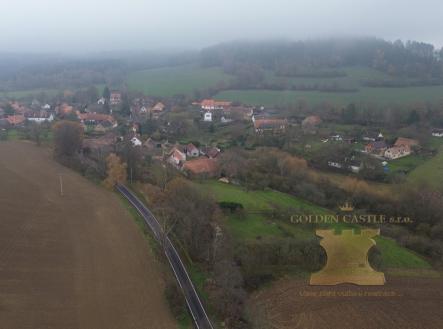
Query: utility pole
{"points": [[61, 184]]}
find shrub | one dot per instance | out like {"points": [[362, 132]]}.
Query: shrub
{"points": [[231, 206], [175, 299]]}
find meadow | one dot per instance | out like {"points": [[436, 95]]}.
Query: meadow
{"points": [[171, 81], [369, 95], [18, 94], [429, 173], [185, 79], [255, 223]]}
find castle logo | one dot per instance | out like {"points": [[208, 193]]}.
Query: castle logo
{"points": [[347, 258], [347, 207]]}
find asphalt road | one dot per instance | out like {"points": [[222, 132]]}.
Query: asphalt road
{"points": [[195, 306]]}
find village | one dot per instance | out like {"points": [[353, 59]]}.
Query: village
{"points": [[151, 126]]}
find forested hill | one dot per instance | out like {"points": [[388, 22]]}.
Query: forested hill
{"points": [[31, 71], [416, 60]]}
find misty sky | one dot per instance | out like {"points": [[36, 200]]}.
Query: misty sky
{"points": [[81, 26]]}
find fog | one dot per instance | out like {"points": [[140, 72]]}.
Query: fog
{"points": [[84, 26]]}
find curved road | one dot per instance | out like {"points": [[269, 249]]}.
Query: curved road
{"points": [[195, 306]]}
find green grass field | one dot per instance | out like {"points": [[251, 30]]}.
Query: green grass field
{"points": [[171, 81], [27, 93], [355, 76], [254, 225], [365, 95], [186, 79], [19, 94], [406, 164], [397, 257], [430, 172], [354, 79]]}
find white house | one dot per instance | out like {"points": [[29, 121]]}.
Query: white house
{"points": [[101, 101], [437, 133], [336, 138], [335, 164], [224, 120], [135, 141], [41, 118], [46, 107], [208, 117], [355, 167]]}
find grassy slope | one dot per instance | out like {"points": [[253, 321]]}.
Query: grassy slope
{"points": [[18, 94], [407, 163], [430, 172], [254, 225], [31, 92], [171, 81], [185, 79], [365, 94], [354, 79]]}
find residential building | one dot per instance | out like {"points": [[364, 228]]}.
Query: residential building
{"points": [[16, 120], [115, 98], [408, 142], [157, 110], [210, 152], [176, 157], [40, 116], [192, 150], [238, 113], [64, 110], [201, 167], [91, 120], [269, 125], [376, 148], [210, 104], [437, 132], [135, 141], [207, 117], [335, 164], [396, 152]]}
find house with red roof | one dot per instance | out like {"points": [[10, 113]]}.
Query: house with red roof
{"points": [[176, 157], [269, 125], [16, 120], [201, 167], [210, 104], [97, 121]]}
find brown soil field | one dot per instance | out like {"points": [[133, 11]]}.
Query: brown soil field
{"points": [[406, 303], [72, 261]]}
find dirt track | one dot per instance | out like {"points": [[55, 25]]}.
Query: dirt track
{"points": [[408, 303], [71, 261]]}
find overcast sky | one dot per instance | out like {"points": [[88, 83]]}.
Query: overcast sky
{"points": [[106, 25]]}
